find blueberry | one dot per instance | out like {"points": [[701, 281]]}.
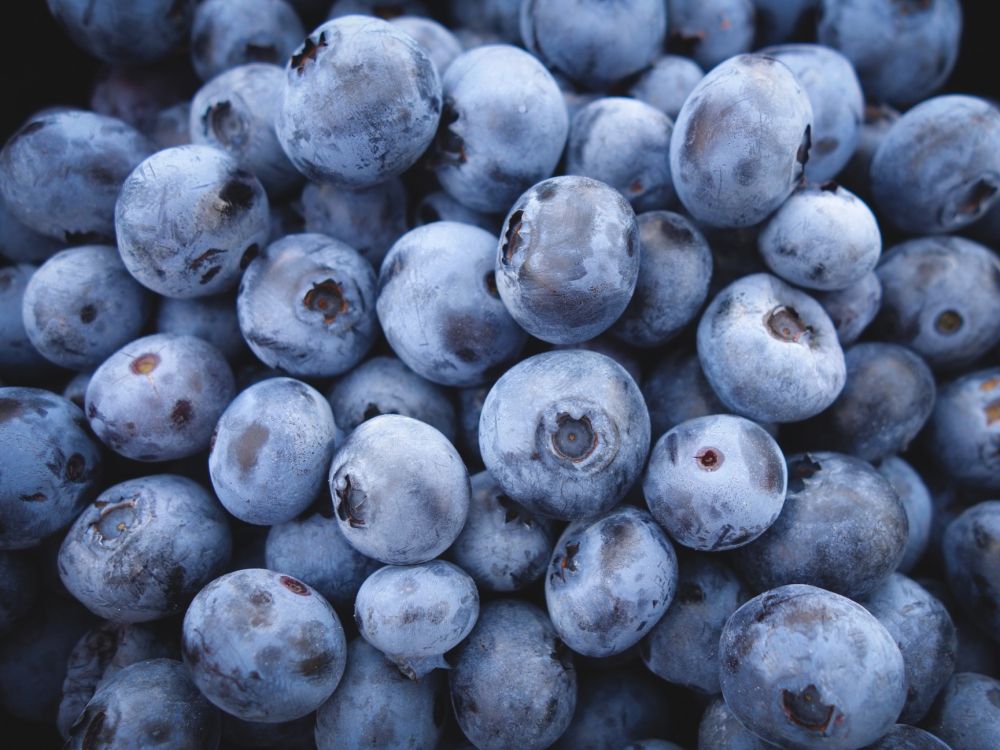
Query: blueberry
{"points": [[966, 714], [609, 582], [837, 104], [916, 499], [741, 141], [514, 646], [19, 588], [144, 548], [218, 218], [229, 33], [592, 42], [439, 206], [400, 490], [842, 528], [126, 32], [808, 668], [950, 186], [99, 655], [369, 220], [853, 308], [668, 83], [923, 630], [234, 112], [964, 430], [376, 705], [361, 102], [263, 646], [502, 545], [624, 143], [821, 238], [903, 737], [888, 398], [565, 433], [415, 613], [769, 351], [159, 397], [971, 551], [503, 127], [719, 729], [212, 319], [941, 298], [568, 259], [313, 549], [384, 385], [51, 465], [440, 44], [683, 647], [81, 305], [18, 356], [306, 305], [61, 173], [439, 305], [710, 31], [902, 51], [716, 482]]}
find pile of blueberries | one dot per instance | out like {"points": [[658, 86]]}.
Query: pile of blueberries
{"points": [[503, 374]]}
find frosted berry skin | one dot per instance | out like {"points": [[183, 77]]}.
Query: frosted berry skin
{"points": [[61, 173], [668, 83], [234, 112], [610, 580], [188, 220], [965, 714], [741, 141], [808, 668], [905, 737], [439, 306], [582, 39], [568, 259], [263, 646], [513, 645], [271, 450], [82, 305], [916, 499], [715, 483], [153, 703], [144, 547], [503, 127], [711, 31], [565, 433], [361, 102], [972, 564], [159, 397], [307, 306], [924, 190], [964, 429], [415, 613], [52, 465], [399, 489], [853, 308], [770, 351], [719, 729], [210, 318]]}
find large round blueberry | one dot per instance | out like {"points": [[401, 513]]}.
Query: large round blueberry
{"points": [[415, 613], [610, 581], [60, 174], [503, 127], [971, 550], [944, 188], [514, 646], [263, 646], [715, 483], [565, 433], [808, 668], [400, 490], [144, 547], [188, 220], [159, 397], [51, 465], [842, 527], [770, 351], [963, 434], [152, 703], [271, 451], [741, 141], [439, 306], [966, 714], [568, 259], [82, 305], [307, 305], [361, 102]]}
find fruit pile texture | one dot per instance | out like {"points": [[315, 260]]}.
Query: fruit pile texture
{"points": [[501, 374]]}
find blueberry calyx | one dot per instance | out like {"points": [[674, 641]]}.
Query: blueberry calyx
{"points": [[511, 238], [309, 51], [144, 364], [806, 709], [710, 459], [786, 325], [948, 323], [350, 500], [114, 520], [326, 297], [573, 439]]}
